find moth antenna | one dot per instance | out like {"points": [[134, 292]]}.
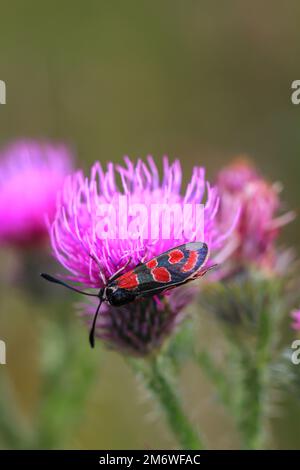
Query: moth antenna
{"points": [[50, 278], [92, 332]]}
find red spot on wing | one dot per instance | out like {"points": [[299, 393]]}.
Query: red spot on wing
{"points": [[175, 256], [152, 263], [128, 280], [191, 262], [161, 274]]}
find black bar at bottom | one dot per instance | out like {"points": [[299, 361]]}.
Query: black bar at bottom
{"points": [[134, 458]]}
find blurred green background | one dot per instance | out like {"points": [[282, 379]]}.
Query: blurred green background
{"points": [[199, 80]]}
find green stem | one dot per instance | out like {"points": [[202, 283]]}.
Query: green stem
{"points": [[161, 387], [250, 412], [253, 384]]}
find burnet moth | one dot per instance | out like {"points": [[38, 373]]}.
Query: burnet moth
{"points": [[171, 269]]}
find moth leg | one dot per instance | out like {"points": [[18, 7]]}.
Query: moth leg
{"points": [[103, 278], [117, 273], [203, 271], [200, 273], [143, 259]]}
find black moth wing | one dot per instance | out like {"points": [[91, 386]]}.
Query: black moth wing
{"points": [[195, 253]]}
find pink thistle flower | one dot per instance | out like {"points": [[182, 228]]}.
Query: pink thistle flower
{"points": [[141, 326], [259, 223], [31, 174], [74, 236], [235, 176], [295, 314]]}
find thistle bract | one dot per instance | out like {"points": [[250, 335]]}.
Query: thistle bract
{"points": [[139, 328]]}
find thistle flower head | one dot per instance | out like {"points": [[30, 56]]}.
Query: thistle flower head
{"points": [[259, 223], [141, 326], [31, 174], [80, 248]]}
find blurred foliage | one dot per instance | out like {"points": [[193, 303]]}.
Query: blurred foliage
{"points": [[255, 371]]}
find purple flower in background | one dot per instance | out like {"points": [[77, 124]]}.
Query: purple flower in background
{"points": [[31, 174], [259, 223], [235, 176], [295, 314], [141, 326]]}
